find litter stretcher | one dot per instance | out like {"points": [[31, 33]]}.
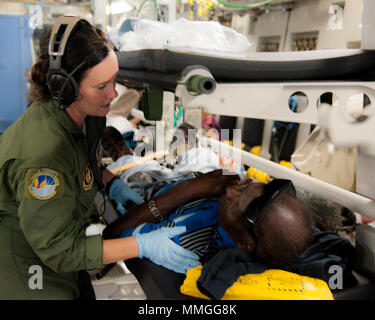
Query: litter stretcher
{"points": [[259, 85]]}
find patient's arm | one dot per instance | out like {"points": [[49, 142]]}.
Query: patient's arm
{"points": [[204, 186], [166, 202]]}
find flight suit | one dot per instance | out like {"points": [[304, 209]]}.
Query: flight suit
{"points": [[49, 172]]}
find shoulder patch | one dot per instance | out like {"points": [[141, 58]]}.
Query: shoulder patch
{"points": [[42, 184]]}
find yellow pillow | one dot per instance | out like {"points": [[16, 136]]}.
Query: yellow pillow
{"points": [[272, 284]]}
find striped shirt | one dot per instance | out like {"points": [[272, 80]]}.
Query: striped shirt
{"points": [[203, 234]]}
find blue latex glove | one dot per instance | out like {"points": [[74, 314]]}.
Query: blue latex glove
{"points": [[121, 193], [160, 249]]}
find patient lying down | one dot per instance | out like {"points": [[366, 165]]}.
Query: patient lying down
{"points": [[220, 211]]}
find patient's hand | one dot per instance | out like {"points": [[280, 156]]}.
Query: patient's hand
{"points": [[213, 184]]}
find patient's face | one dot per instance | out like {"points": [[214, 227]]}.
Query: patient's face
{"points": [[231, 206]]}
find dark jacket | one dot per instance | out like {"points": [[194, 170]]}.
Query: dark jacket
{"points": [[326, 250]]}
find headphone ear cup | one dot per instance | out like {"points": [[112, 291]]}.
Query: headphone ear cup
{"points": [[63, 88]]}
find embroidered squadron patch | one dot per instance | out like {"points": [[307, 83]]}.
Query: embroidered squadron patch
{"points": [[87, 178], [43, 184]]}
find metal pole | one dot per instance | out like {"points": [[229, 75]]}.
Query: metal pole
{"points": [[350, 200]]}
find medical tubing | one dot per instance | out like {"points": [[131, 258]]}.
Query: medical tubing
{"points": [[249, 6], [156, 6]]}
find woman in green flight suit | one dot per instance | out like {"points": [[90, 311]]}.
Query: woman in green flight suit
{"points": [[50, 171]]}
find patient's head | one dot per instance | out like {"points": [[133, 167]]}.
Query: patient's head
{"points": [[114, 144], [266, 220]]}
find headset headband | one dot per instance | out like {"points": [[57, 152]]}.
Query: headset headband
{"points": [[62, 85], [57, 41]]}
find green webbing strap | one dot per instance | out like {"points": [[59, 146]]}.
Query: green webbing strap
{"points": [[152, 102]]}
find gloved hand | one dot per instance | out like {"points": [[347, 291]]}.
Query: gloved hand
{"points": [[121, 193], [160, 249]]}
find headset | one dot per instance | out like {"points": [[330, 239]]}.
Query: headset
{"points": [[62, 85]]}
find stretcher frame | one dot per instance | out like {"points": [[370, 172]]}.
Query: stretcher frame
{"points": [[271, 109], [269, 101]]}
